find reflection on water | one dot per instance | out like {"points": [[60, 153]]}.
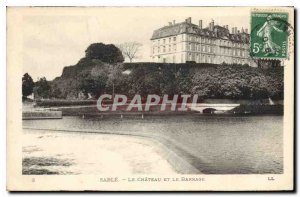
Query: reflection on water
{"points": [[214, 145]]}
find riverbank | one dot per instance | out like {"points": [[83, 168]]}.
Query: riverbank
{"points": [[212, 106], [53, 152]]}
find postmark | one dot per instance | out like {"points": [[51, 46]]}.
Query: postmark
{"points": [[269, 35]]}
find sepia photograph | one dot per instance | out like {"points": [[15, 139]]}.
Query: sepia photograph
{"points": [[150, 98]]}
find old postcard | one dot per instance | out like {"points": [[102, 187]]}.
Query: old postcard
{"points": [[150, 98]]}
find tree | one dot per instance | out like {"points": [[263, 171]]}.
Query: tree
{"points": [[27, 85], [145, 80], [55, 92], [183, 78], [106, 53], [115, 79], [168, 81], [42, 88], [130, 49], [259, 87], [93, 85]]}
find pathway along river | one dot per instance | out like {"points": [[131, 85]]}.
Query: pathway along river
{"points": [[212, 144]]}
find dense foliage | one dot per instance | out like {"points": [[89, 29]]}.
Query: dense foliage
{"points": [[27, 85], [106, 53], [238, 82], [208, 81], [42, 88], [93, 85]]}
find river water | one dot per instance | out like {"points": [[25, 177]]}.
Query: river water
{"points": [[212, 144]]}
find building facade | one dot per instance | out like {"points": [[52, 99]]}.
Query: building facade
{"points": [[187, 42]]}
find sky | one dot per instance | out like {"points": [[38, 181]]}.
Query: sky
{"points": [[57, 37]]}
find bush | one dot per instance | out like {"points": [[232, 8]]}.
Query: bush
{"points": [[106, 53]]}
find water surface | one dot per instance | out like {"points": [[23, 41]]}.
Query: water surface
{"points": [[213, 144]]}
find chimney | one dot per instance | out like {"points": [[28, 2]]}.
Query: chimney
{"points": [[232, 30], [200, 24], [170, 23], [173, 22], [226, 26], [235, 30], [243, 30], [246, 30], [188, 20]]}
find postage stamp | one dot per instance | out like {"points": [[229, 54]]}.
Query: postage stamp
{"points": [[269, 35]]}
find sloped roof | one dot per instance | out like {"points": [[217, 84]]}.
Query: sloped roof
{"points": [[189, 28], [172, 30]]}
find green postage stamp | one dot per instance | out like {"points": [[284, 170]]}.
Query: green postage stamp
{"points": [[269, 35]]}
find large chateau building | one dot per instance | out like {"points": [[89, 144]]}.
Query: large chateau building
{"points": [[187, 42]]}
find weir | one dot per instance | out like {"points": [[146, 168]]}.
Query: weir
{"points": [[212, 108]]}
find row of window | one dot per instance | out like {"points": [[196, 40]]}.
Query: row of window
{"points": [[232, 44], [189, 38], [200, 59], [204, 48], [201, 40], [197, 47], [200, 48], [164, 49], [165, 40], [190, 57], [234, 52], [211, 41], [211, 49]]}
